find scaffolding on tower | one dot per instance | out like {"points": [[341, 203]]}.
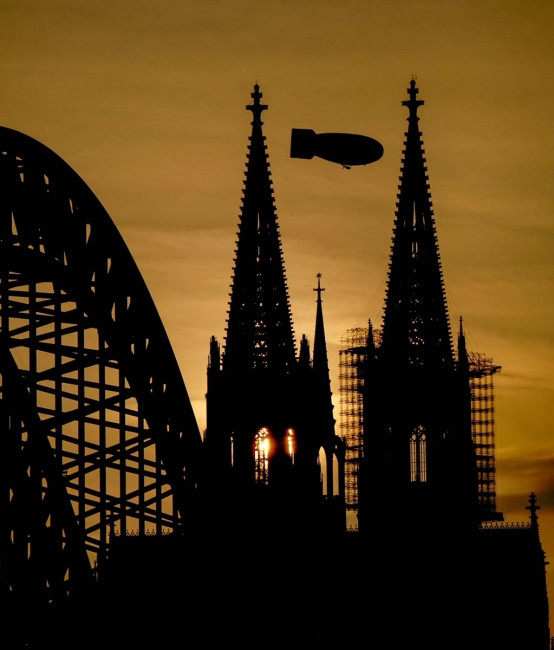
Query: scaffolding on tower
{"points": [[481, 382], [352, 357]]}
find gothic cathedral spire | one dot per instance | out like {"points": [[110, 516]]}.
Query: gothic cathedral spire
{"points": [[418, 450], [264, 436], [259, 330], [416, 329]]}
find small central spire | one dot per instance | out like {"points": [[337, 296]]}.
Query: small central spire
{"points": [[320, 362], [256, 107], [413, 103]]}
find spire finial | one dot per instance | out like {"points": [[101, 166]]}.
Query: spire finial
{"points": [[318, 288], [256, 107], [533, 507], [413, 103]]}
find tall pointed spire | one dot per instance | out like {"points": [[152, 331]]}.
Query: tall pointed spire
{"points": [[417, 413], [269, 413], [259, 329], [416, 327]]}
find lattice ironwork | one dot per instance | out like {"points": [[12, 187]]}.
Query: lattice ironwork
{"points": [[97, 429]]}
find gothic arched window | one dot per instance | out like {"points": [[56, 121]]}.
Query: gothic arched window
{"points": [[262, 448], [418, 456], [322, 462], [290, 444]]}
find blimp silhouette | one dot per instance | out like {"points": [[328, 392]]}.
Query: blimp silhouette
{"points": [[346, 149]]}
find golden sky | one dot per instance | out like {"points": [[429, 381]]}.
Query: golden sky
{"points": [[146, 102]]}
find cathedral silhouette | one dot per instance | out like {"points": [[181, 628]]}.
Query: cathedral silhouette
{"points": [[123, 525]]}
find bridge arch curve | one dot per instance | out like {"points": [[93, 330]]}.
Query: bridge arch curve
{"points": [[97, 432]]}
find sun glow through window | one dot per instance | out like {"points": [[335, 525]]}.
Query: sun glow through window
{"points": [[290, 443], [262, 447]]}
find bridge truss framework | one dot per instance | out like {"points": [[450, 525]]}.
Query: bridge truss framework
{"points": [[96, 427]]}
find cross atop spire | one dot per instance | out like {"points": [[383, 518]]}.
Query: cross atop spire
{"points": [[413, 103], [256, 107], [318, 288]]}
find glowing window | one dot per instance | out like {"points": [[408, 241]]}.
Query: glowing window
{"points": [[322, 462], [262, 444], [290, 443], [418, 456]]}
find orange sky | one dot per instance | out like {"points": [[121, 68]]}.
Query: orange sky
{"points": [[146, 102]]}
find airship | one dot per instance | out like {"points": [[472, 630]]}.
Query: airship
{"points": [[346, 149]]}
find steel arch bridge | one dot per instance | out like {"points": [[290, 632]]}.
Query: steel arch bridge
{"points": [[97, 432]]}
